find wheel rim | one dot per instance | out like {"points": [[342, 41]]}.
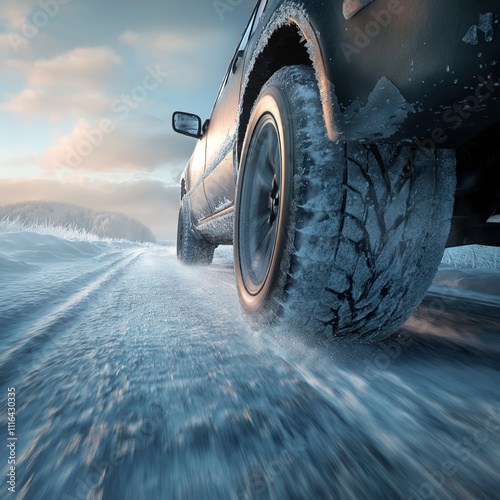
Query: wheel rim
{"points": [[260, 205]]}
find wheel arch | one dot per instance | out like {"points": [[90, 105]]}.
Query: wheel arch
{"points": [[289, 39]]}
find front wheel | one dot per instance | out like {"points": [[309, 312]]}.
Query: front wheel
{"points": [[333, 237]]}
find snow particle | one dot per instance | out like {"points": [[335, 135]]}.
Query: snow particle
{"points": [[486, 25], [471, 36]]}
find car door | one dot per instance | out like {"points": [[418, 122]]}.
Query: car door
{"points": [[221, 136], [197, 199]]}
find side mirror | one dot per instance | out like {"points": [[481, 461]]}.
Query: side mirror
{"points": [[187, 124]]}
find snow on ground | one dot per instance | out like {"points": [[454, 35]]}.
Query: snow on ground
{"points": [[8, 225], [137, 377], [26, 250], [473, 256]]}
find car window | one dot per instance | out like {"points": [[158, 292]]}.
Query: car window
{"points": [[241, 46], [262, 7], [246, 35]]}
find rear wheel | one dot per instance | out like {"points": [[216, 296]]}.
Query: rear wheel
{"points": [[332, 237], [191, 247]]}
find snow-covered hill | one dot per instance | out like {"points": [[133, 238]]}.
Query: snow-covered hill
{"points": [[102, 224]]}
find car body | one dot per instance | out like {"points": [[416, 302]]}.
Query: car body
{"points": [[423, 74]]}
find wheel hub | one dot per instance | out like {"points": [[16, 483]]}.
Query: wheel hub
{"points": [[274, 201]]}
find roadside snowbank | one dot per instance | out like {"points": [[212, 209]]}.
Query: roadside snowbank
{"points": [[27, 251], [473, 256]]}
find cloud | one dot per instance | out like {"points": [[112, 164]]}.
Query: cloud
{"points": [[112, 147], [9, 42], [189, 55], [173, 41], [129, 37], [151, 202], [55, 105], [85, 66], [69, 84], [14, 12]]}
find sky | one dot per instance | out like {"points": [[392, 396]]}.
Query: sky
{"points": [[87, 91]]}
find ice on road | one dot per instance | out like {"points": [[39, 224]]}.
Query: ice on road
{"points": [[139, 378]]}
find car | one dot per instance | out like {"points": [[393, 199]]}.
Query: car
{"points": [[349, 144]]}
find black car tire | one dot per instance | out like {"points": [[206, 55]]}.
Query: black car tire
{"points": [[342, 239], [191, 247]]}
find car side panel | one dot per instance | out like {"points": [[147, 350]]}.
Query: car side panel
{"points": [[198, 203], [437, 53], [418, 49], [220, 182]]}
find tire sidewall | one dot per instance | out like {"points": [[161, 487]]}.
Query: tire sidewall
{"points": [[180, 233], [274, 102], [192, 248]]}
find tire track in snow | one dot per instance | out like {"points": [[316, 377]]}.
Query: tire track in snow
{"points": [[36, 297], [155, 364], [46, 328]]}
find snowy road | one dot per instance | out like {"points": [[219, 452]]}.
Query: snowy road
{"points": [[138, 378]]}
